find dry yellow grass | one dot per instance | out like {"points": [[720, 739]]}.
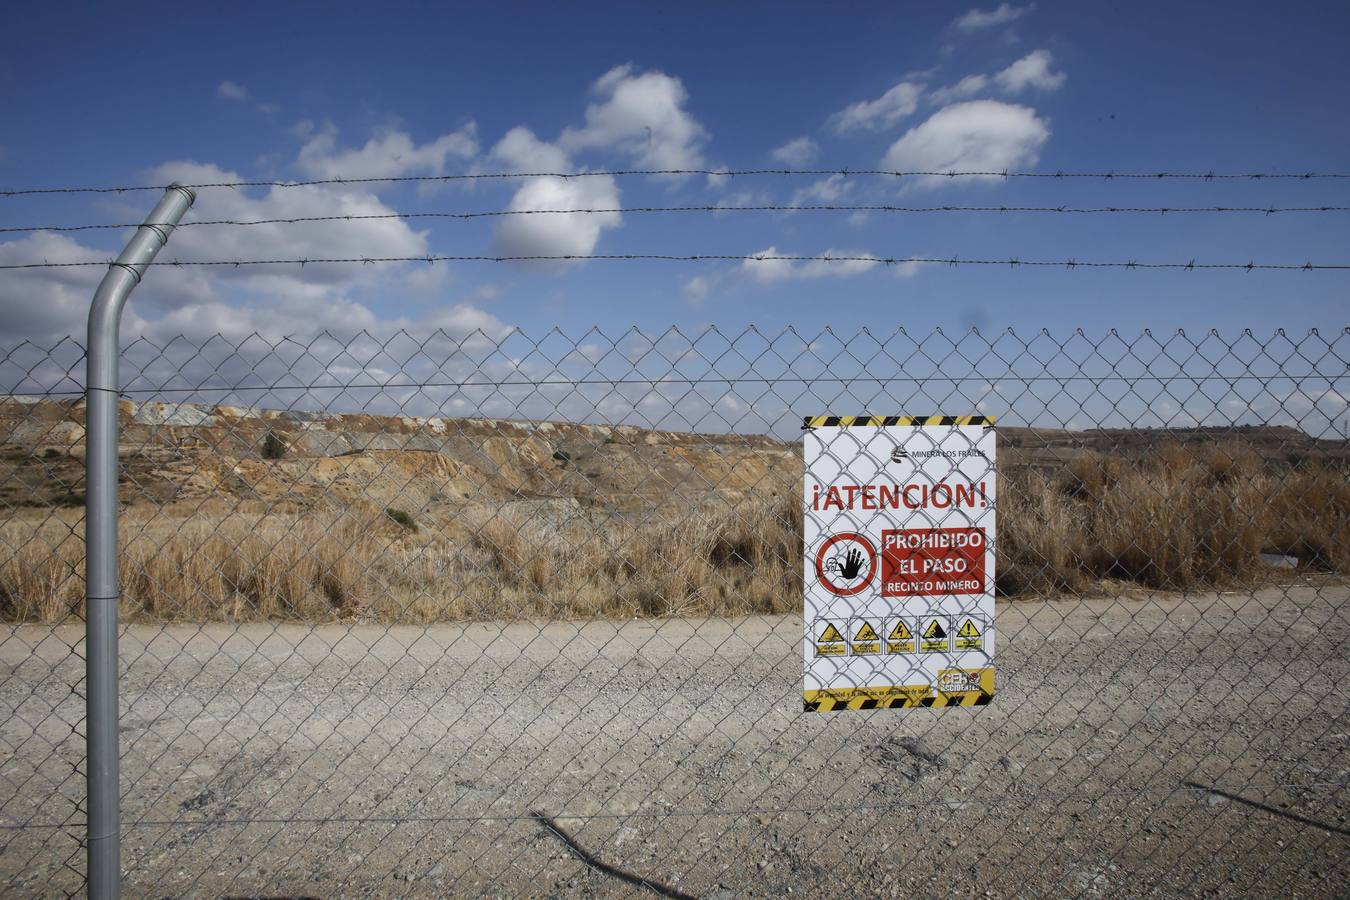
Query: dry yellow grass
{"points": [[331, 564], [1179, 519], [1183, 517], [1309, 517], [1040, 536], [237, 566]]}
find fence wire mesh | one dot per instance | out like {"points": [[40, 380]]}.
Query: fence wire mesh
{"points": [[490, 613]]}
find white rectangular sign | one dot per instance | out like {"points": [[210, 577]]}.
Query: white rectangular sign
{"points": [[898, 561]]}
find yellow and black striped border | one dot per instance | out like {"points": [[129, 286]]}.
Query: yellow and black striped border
{"points": [[880, 421], [909, 696]]}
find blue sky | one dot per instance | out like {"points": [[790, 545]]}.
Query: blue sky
{"points": [[292, 91]]}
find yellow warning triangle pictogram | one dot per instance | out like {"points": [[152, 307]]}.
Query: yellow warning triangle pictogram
{"points": [[830, 635], [968, 629], [899, 633], [935, 630], [866, 633]]}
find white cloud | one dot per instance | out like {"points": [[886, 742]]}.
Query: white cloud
{"points": [[797, 152], [718, 178], [908, 268], [554, 234], [464, 319], [643, 116], [978, 135], [861, 261], [523, 152], [1031, 71], [977, 19], [824, 191], [486, 293], [770, 271], [696, 290], [227, 345], [390, 154], [46, 302], [883, 112], [198, 304], [281, 316], [767, 271], [234, 301], [232, 91], [966, 87], [740, 200], [364, 238]]}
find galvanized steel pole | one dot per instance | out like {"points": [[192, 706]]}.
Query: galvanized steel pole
{"points": [[100, 536]]}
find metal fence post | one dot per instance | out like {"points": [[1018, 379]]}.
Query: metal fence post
{"points": [[100, 531]]}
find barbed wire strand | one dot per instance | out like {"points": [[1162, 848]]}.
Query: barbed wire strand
{"points": [[701, 257], [844, 172], [712, 208]]}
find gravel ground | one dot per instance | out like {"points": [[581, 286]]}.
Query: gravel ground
{"points": [[1138, 746]]}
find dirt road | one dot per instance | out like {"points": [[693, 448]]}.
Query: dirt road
{"points": [[1149, 746]]}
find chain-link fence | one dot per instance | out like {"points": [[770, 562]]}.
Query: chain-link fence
{"points": [[509, 614]]}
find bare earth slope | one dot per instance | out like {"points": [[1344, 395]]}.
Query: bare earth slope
{"points": [[183, 453]]}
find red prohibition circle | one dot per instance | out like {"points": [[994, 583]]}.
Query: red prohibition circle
{"points": [[871, 563]]}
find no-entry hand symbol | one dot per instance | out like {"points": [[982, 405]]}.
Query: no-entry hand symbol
{"points": [[846, 563]]}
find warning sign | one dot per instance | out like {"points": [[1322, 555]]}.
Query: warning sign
{"points": [[929, 562], [865, 639], [846, 563], [933, 639], [898, 561], [899, 639], [830, 641], [968, 636]]}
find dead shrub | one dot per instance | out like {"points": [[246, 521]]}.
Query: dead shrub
{"points": [[1308, 510], [1039, 538], [1173, 456], [1233, 462], [1174, 528], [1179, 518], [1092, 474]]}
